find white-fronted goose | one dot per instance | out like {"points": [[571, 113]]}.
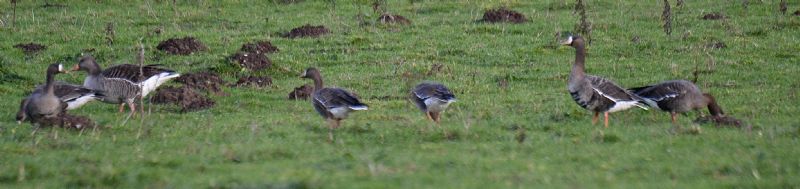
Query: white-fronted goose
{"points": [[678, 96], [333, 104], [44, 103], [432, 98], [121, 83], [74, 95], [595, 93]]}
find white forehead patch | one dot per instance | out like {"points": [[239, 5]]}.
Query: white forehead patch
{"points": [[60, 68], [569, 40]]}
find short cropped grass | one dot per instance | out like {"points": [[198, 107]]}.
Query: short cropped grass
{"points": [[514, 126]]}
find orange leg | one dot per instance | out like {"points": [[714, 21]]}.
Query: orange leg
{"points": [[673, 114], [605, 121], [331, 127], [133, 108], [429, 115], [594, 119], [436, 117], [121, 107]]}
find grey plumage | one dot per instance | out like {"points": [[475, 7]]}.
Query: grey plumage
{"points": [[677, 96], [44, 103], [74, 96], [432, 98], [333, 104]]}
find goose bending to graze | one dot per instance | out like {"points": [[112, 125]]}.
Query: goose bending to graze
{"points": [[595, 93], [333, 104], [432, 98], [44, 103], [122, 84], [678, 96], [74, 95]]}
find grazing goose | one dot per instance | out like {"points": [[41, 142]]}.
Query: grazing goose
{"points": [[595, 93], [74, 95], [121, 83], [331, 103], [44, 103], [678, 96], [432, 98]]}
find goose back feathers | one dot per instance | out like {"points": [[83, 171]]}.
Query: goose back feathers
{"points": [[122, 83], [677, 96], [432, 97], [330, 102], [74, 96]]}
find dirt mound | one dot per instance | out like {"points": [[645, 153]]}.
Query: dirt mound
{"points": [[67, 121], [720, 121], [181, 46], [797, 13], [254, 81], [185, 97], [307, 31], [503, 15], [259, 47], [252, 61], [393, 19], [202, 80], [30, 48], [302, 92], [713, 16]]}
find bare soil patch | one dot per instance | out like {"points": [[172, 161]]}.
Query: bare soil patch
{"points": [[254, 81], [30, 48], [207, 81], [714, 16], [503, 15], [796, 13], [393, 19], [720, 121], [67, 121], [181, 46], [185, 97], [301, 93], [259, 47], [307, 31], [251, 61]]}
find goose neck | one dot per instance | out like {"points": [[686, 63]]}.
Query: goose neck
{"points": [[578, 67]]}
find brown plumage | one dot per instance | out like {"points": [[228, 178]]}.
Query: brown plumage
{"points": [[333, 104], [432, 98], [74, 95], [595, 93], [44, 103], [678, 96]]}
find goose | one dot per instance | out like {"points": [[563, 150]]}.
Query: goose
{"points": [[74, 95], [595, 93], [121, 83], [44, 103], [678, 96], [333, 104], [432, 98]]}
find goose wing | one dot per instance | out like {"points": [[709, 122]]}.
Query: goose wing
{"points": [[610, 90], [336, 97], [433, 90], [663, 91], [130, 72]]}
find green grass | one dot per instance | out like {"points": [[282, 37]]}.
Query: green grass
{"points": [[255, 138]]}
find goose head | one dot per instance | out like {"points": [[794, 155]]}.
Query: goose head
{"points": [[56, 69], [87, 63], [310, 73], [571, 39]]}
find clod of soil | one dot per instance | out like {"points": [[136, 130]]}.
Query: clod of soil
{"points": [[797, 13], [252, 61], [716, 45], [393, 19], [181, 46], [203, 80], [307, 31], [714, 16], [302, 92], [30, 48], [720, 121], [503, 15], [259, 47], [185, 97], [67, 121], [254, 81]]}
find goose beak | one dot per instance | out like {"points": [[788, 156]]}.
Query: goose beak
{"points": [[76, 67]]}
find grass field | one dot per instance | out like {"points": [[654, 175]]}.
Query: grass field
{"points": [[256, 138]]}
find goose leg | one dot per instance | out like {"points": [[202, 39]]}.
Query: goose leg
{"points": [[594, 119], [435, 116], [121, 107], [673, 115], [428, 114], [133, 108], [330, 129], [605, 121]]}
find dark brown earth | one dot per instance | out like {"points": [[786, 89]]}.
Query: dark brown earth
{"points": [[301, 93], [393, 19], [207, 81], [797, 13], [251, 61], [259, 47], [307, 31], [254, 81], [713, 16], [720, 121], [185, 97], [67, 121], [181, 46], [30, 48], [503, 15]]}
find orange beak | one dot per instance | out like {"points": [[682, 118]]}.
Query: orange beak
{"points": [[76, 67]]}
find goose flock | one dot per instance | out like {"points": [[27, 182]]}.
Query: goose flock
{"points": [[123, 84]]}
